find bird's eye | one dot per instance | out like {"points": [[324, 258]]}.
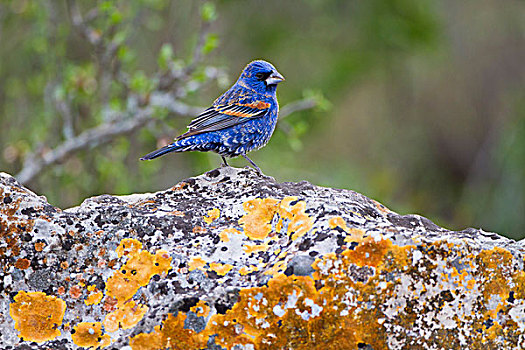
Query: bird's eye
{"points": [[260, 76]]}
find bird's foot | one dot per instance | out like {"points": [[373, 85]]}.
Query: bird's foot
{"points": [[257, 169], [224, 162]]}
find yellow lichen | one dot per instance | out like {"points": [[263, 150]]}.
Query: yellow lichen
{"points": [[94, 298], [354, 233], [277, 268], [336, 307], [257, 223], [89, 334], [125, 317], [221, 269], [196, 263], [496, 266], [140, 266], [137, 271], [254, 248], [201, 309], [37, 316], [299, 221], [128, 246], [213, 215], [248, 269], [225, 234], [172, 335], [493, 263]]}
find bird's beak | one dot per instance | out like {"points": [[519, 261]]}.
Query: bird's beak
{"points": [[275, 78]]}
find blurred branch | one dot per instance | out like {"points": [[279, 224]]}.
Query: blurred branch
{"points": [[167, 101], [198, 49], [80, 24], [93, 137], [36, 162], [106, 49], [297, 106], [64, 108], [168, 79]]}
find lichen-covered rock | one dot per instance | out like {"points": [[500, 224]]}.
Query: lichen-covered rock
{"points": [[233, 260]]}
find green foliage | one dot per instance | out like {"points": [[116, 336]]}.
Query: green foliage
{"points": [[141, 83], [212, 41], [208, 12], [414, 106], [166, 56]]}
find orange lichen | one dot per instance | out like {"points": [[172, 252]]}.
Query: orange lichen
{"points": [[37, 316], [225, 234], [370, 253], [471, 283], [75, 291], [354, 233], [257, 223], [125, 317], [199, 229], [110, 304], [277, 268], [172, 335], [221, 269], [381, 207], [213, 215], [260, 213], [299, 221], [39, 246], [128, 246], [298, 312], [202, 309], [291, 314], [89, 334], [196, 263], [137, 271], [22, 264], [254, 248], [337, 222], [224, 237], [179, 186], [245, 270], [94, 298], [124, 283], [11, 229], [496, 265]]}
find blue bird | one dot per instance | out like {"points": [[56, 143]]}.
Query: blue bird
{"points": [[239, 121]]}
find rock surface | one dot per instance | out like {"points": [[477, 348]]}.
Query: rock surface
{"points": [[232, 260]]}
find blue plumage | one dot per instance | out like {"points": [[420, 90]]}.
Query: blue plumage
{"points": [[239, 121]]}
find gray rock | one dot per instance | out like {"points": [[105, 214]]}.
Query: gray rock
{"points": [[234, 260]]}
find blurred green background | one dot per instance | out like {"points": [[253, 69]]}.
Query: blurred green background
{"points": [[419, 104]]}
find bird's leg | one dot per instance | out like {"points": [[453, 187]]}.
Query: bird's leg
{"points": [[252, 163], [224, 162]]}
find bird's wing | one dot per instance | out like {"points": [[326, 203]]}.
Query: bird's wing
{"points": [[222, 116]]}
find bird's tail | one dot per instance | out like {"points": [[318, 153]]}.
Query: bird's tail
{"points": [[174, 147]]}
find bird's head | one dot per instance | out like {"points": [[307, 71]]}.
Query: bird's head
{"points": [[260, 76]]}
